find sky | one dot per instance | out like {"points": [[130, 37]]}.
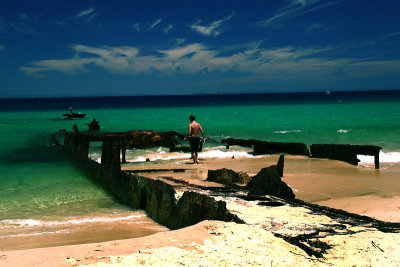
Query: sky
{"points": [[123, 48]]}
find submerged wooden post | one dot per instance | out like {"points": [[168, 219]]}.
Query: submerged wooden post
{"points": [[376, 159], [110, 152], [123, 151], [83, 147]]}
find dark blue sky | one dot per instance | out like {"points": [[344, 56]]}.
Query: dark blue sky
{"points": [[90, 48]]}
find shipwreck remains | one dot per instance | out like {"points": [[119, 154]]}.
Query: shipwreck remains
{"points": [[343, 152], [264, 147], [155, 197], [177, 203], [116, 142], [347, 153]]}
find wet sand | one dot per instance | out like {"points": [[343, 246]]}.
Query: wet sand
{"points": [[79, 233]]}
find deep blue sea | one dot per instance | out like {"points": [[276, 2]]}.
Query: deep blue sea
{"points": [[41, 189]]}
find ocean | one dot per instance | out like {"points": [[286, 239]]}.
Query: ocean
{"points": [[43, 194]]}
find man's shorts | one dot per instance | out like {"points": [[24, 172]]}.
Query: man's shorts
{"points": [[195, 144]]}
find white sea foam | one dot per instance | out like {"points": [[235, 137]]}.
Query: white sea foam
{"points": [[19, 223], [384, 157], [225, 154], [159, 156], [343, 130], [288, 131], [37, 233], [214, 152]]}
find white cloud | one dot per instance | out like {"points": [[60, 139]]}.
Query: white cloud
{"points": [[284, 63], [180, 41], [394, 34], [154, 24], [211, 29], [294, 9], [140, 26], [86, 15], [318, 27], [137, 27], [68, 66], [168, 28], [22, 23]]}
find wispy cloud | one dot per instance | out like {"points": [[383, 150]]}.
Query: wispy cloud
{"points": [[294, 9], [137, 27], [21, 23], [285, 63], [86, 15], [147, 26], [318, 27], [212, 29], [154, 24], [394, 34], [168, 28]]}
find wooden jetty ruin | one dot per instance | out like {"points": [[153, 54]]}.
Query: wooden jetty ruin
{"points": [[344, 152], [176, 203]]}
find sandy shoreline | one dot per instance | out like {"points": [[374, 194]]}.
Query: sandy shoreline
{"points": [[213, 243], [335, 184]]}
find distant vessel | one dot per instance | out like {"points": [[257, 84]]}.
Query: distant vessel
{"points": [[70, 116]]}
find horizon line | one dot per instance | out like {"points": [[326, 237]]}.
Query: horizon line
{"points": [[206, 94]]}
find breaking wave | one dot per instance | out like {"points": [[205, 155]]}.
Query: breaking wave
{"points": [[288, 131], [384, 157], [20, 223]]}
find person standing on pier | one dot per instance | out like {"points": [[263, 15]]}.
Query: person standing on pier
{"points": [[194, 138]]}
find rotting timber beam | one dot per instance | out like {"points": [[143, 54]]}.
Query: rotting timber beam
{"points": [[264, 147], [343, 152], [239, 142], [115, 143]]}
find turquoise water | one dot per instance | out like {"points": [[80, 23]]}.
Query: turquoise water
{"points": [[38, 183]]}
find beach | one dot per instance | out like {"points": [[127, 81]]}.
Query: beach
{"points": [[214, 243], [221, 243]]}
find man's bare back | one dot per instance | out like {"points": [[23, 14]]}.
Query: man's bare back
{"points": [[194, 141], [194, 129]]}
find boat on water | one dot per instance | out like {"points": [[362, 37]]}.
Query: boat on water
{"points": [[71, 116]]}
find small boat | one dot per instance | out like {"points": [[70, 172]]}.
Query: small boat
{"points": [[71, 116]]}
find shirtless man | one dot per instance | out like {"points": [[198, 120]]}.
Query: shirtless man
{"points": [[194, 141]]}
